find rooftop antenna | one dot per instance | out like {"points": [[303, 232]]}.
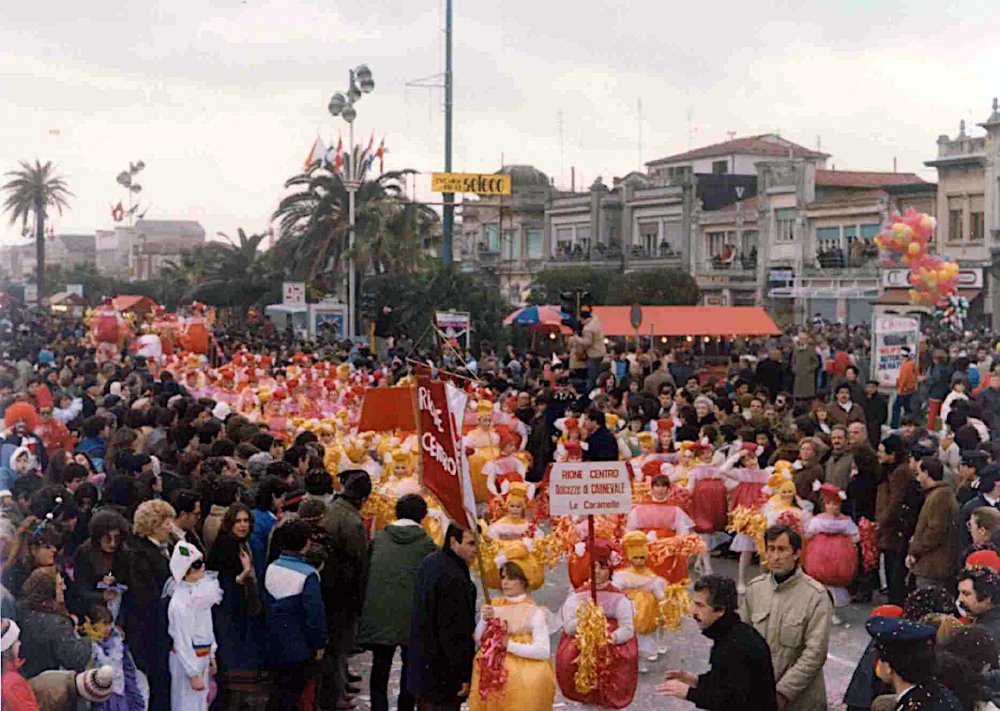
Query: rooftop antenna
{"points": [[639, 165], [819, 143], [690, 121], [562, 153]]}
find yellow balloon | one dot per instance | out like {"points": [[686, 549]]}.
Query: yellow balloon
{"points": [[914, 248]]}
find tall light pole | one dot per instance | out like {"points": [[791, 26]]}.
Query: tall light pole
{"points": [[360, 83], [448, 218]]}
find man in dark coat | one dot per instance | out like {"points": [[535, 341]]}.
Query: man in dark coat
{"points": [[875, 405], [772, 373], [443, 622], [987, 489], [601, 444], [343, 581], [741, 674]]}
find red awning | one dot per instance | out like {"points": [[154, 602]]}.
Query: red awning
{"points": [[688, 321]]}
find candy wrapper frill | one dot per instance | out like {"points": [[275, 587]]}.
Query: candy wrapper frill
{"points": [[675, 605], [663, 548], [594, 642], [492, 659], [750, 523], [868, 533], [379, 507]]}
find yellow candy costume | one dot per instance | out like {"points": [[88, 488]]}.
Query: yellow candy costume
{"points": [[485, 443], [531, 680], [510, 532], [644, 588]]}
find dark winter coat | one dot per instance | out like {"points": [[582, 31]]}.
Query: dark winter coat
{"points": [[90, 565], [396, 555], [601, 446], [741, 675], [862, 489], [237, 621], [145, 613], [444, 619], [345, 573], [48, 641], [876, 409]]}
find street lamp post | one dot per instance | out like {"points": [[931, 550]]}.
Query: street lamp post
{"points": [[360, 83]]}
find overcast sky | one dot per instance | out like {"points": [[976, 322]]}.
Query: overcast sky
{"points": [[223, 98]]}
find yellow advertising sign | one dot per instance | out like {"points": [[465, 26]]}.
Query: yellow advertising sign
{"points": [[480, 183]]}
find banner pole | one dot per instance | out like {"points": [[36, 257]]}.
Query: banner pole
{"points": [[593, 560]]}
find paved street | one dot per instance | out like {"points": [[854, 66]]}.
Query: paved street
{"points": [[688, 650]]}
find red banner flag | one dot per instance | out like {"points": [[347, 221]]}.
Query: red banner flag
{"points": [[445, 471]]}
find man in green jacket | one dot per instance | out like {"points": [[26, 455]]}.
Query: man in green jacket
{"points": [[396, 554]]}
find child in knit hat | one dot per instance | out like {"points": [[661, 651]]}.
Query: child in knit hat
{"points": [[190, 625]]}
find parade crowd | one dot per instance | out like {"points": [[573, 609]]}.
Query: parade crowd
{"points": [[217, 532]]}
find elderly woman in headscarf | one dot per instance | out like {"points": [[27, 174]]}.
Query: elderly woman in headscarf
{"points": [[52, 642]]}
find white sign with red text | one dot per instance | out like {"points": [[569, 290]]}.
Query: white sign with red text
{"points": [[590, 488]]}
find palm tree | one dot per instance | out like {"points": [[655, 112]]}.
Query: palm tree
{"points": [[33, 190], [234, 273], [313, 224], [397, 238]]}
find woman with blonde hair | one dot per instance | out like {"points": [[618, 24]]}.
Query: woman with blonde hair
{"points": [[144, 606]]}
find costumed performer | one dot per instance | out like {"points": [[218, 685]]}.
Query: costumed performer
{"points": [[192, 657], [513, 669], [646, 590], [590, 669], [513, 533], [783, 508], [659, 518], [482, 444], [708, 503], [831, 556], [507, 468], [748, 494]]}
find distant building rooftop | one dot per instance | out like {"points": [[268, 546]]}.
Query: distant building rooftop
{"points": [[864, 179], [766, 144]]}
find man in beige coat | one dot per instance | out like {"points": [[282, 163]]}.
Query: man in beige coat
{"points": [[792, 612], [591, 343]]}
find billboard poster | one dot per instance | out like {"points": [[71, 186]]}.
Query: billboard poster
{"points": [[889, 335]]}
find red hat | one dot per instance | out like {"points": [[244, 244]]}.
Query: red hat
{"points": [[830, 492], [700, 446], [887, 611], [571, 423], [750, 447], [509, 439], [664, 423], [601, 551], [652, 468], [984, 559]]}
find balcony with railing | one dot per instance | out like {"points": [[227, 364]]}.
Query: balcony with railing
{"points": [[860, 255]]}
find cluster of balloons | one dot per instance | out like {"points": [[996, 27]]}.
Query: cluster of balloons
{"points": [[907, 235], [932, 278], [952, 311]]}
